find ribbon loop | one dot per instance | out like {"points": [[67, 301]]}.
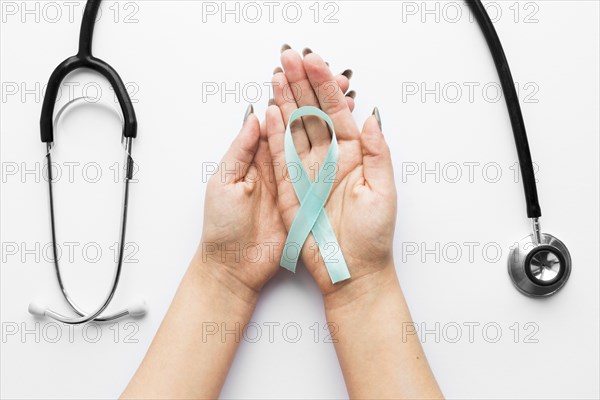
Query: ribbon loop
{"points": [[311, 216]]}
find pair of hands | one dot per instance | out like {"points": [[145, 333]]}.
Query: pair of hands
{"points": [[251, 204]]}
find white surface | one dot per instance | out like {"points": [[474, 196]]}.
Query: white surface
{"points": [[170, 55]]}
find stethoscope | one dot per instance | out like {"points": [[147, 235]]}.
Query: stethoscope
{"points": [[85, 59], [539, 266]]}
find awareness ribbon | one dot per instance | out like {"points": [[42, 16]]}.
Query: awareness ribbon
{"points": [[312, 197]]}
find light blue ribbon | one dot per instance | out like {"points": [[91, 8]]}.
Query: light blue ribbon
{"points": [[312, 197]]}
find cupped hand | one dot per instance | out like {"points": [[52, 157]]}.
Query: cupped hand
{"points": [[362, 203], [243, 230]]}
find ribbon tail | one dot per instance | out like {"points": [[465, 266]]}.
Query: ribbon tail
{"points": [[310, 209], [331, 252]]}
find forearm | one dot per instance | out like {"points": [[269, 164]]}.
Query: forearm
{"points": [[377, 360], [195, 345]]}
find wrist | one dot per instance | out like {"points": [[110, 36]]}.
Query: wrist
{"points": [[362, 289], [218, 278]]}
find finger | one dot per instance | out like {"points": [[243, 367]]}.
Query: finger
{"points": [[275, 128], [350, 99], [240, 155], [351, 103], [316, 129], [287, 200], [377, 161], [343, 81], [285, 100], [262, 153], [263, 162], [331, 98]]}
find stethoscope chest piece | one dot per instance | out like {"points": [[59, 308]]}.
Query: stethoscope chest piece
{"points": [[539, 265]]}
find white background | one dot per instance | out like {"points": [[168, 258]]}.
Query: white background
{"points": [[170, 56]]}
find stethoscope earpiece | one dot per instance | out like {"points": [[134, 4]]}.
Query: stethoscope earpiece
{"points": [[540, 264], [138, 309], [37, 309]]}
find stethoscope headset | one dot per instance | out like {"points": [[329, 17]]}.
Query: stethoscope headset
{"points": [[85, 59], [539, 266]]}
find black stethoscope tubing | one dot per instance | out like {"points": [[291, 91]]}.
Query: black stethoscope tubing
{"points": [[85, 59], [513, 105]]}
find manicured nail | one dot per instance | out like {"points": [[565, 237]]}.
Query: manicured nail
{"points": [[348, 73], [285, 47], [377, 117], [271, 102], [249, 110], [351, 94], [306, 52], [277, 70]]}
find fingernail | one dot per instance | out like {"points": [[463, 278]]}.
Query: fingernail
{"points": [[271, 102], [249, 110], [285, 47], [306, 52], [351, 94], [377, 117], [348, 73], [277, 70]]}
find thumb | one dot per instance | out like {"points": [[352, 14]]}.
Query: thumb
{"points": [[377, 161], [239, 157]]}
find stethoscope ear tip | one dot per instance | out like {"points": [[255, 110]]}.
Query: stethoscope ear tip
{"points": [[138, 308], [37, 309]]}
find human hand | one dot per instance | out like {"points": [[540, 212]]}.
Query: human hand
{"points": [[362, 203], [243, 230]]}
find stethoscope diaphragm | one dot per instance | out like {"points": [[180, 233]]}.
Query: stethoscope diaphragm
{"points": [[539, 265]]}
